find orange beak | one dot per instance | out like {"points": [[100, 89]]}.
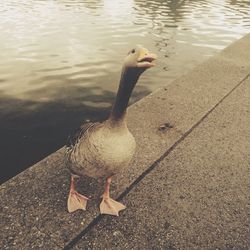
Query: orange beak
{"points": [[146, 59]]}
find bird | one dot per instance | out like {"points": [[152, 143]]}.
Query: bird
{"points": [[103, 149]]}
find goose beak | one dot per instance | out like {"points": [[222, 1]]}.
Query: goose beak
{"points": [[146, 59]]}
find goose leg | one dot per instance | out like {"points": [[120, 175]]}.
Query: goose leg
{"points": [[75, 200], [108, 205]]}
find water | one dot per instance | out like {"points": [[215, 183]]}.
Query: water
{"points": [[60, 61]]}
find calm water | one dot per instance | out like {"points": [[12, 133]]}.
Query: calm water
{"points": [[60, 61]]}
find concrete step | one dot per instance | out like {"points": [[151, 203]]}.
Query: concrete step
{"points": [[197, 197]]}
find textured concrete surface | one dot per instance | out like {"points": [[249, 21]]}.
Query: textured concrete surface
{"points": [[33, 204], [197, 197]]}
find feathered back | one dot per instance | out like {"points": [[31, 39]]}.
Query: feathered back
{"points": [[78, 133]]}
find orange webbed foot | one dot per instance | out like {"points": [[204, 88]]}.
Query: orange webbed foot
{"points": [[110, 206], [76, 201]]}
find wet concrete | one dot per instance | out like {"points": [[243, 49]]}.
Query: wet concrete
{"points": [[164, 177]]}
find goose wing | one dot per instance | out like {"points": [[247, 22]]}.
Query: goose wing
{"points": [[79, 133]]}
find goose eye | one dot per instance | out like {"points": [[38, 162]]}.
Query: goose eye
{"points": [[133, 51]]}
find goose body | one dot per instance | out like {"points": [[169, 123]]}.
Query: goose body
{"points": [[104, 149]]}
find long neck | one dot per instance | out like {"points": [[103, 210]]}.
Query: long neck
{"points": [[129, 77]]}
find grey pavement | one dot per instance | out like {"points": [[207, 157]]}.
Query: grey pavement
{"points": [[186, 187], [197, 197]]}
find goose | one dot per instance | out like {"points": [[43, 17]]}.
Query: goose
{"points": [[103, 149]]}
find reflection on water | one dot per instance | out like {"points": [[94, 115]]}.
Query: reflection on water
{"points": [[60, 61]]}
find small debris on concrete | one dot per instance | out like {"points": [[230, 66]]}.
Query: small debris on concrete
{"points": [[165, 126]]}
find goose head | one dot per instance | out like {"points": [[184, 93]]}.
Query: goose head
{"points": [[139, 59]]}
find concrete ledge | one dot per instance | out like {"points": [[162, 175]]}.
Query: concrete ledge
{"points": [[197, 197], [33, 204]]}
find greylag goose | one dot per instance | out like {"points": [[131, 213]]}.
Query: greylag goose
{"points": [[104, 149]]}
